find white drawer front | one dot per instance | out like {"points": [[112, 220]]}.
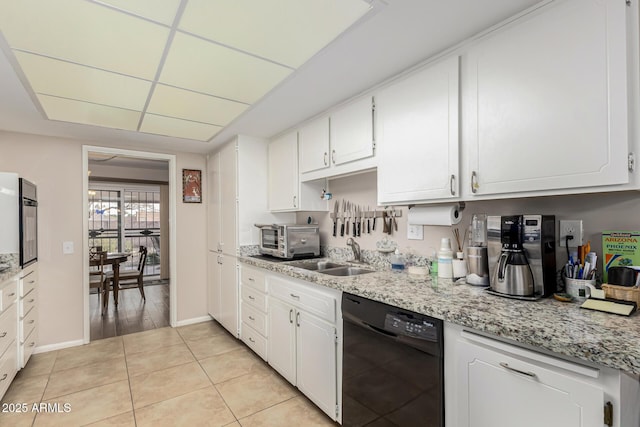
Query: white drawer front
{"points": [[8, 295], [28, 302], [254, 278], [29, 283], [28, 346], [28, 324], [255, 341], [254, 297], [254, 318], [316, 303], [8, 369], [8, 328]]}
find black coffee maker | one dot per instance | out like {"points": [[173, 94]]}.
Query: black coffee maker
{"points": [[512, 274]]}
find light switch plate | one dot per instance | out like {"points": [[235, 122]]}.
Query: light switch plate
{"points": [[415, 232], [67, 248]]}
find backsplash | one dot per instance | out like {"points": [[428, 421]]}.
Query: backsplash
{"points": [[602, 211]]}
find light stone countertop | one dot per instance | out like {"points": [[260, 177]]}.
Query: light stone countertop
{"points": [[562, 328], [10, 260]]}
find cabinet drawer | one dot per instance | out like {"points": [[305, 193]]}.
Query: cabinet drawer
{"points": [[8, 327], [254, 297], [254, 318], [8, 294], [254, 278], [28, 302], [28, 324], [8, 368], [28, 346], [255, 341], [29, 282], [307, 299]]}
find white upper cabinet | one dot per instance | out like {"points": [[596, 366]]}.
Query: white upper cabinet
{"points": [[286, 192], [418, 136], [351, 132], [313, 140], [546, 101], [283, 173]]}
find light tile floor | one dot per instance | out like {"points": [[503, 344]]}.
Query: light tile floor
{"points": [[195, 375]]}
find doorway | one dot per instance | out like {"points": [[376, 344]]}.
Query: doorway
{"points": [[131, 203]]}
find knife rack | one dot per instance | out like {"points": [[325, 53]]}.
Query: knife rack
{"points": [[396, 213]]}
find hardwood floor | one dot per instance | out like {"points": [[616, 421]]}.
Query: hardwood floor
{"points": [[133, 314]]}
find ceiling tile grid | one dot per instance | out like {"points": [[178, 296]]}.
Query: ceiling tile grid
{"points": [[180, 68]]}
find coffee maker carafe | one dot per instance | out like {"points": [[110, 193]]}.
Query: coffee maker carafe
{"points": [[522, 255]]}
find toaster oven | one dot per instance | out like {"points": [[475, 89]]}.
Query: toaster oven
{"points": [[289, 240]]}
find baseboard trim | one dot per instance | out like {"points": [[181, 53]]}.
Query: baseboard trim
{"points": [[193, 321], [57, 346]]}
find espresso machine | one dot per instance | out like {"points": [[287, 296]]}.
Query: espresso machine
{"points": [[522, 255]]}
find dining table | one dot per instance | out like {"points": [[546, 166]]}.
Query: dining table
{"points": [[114, 259]]}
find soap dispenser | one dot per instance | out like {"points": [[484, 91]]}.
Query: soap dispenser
{"points": [[397, 261]]}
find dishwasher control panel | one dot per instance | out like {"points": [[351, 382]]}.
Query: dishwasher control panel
{"points": [[417, 328]]}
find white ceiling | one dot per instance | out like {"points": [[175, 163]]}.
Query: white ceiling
{"points": [[397, 35]]}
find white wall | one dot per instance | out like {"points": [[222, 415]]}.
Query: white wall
{"points": [[55, 165], [600, 211]]}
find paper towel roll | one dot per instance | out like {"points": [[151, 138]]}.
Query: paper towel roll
{"points": [[434, 215]]}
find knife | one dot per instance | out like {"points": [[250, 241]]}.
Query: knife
{"points": [[358, 220], [344, 209], [368, 220], [375, 211], [347, 217], [335, 218], [355, 212]]}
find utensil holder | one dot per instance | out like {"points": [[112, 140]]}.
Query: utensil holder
{"points": [[578, 288], [625, 293]]}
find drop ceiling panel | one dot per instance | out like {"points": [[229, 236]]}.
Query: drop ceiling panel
{"points": [[286, 31], [170, 126], [202, 66], [86, 33], [67, 110], [67, 80], [174, 102], [160, 11]]}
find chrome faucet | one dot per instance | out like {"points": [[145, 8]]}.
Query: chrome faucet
{"points": [[355, 247]]}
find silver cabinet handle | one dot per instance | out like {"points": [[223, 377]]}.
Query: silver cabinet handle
{"points": [[251, 297], [31, 322], [451, 183], [290, 314], [4, 377], [251, 279], [294, 296], [474, 182], [506, 366], [333, 156], [31, 300], [32, 344], [12, 294], [32, 281], [298, 319], [4, 334], [252, 318], [325, 158], [252, 340], [295, 201]]}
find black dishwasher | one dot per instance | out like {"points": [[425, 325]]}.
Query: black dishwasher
{"points": [[392, 366]]}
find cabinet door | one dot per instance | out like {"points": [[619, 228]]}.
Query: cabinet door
{"points": [[283, 173], [282, 339], [229, 295], [547, 101], [228, 194], [213, 202], [352, 132], [316, 361], [214, 278], [418, 134], [492, 393], [313, 144]]}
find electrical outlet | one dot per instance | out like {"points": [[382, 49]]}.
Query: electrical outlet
{"points": [[415, 232], [570, 228]]}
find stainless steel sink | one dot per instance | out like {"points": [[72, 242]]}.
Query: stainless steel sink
{"points": [[346, 271], [315, 265]]}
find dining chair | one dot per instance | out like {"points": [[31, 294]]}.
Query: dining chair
{"points": [[131, 278], [98, 278]]}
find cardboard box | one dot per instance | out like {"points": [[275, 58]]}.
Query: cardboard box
{"points": [[619, 248]]}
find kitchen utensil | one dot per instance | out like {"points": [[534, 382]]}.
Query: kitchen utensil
{"points": [[478, 235], [359, 219], [477, 265], [355, 210], [344, 209], [347, 217], [335, 218], [368, 220], [621, 276]]}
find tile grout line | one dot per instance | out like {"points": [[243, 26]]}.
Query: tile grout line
{"points": [[126, 366]]}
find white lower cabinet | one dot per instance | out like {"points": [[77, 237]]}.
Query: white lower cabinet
{"points": [[492, 383], [9, 364], [253, 310], [27, 314], [303, 348]]}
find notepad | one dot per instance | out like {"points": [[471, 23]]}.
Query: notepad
{"points": [[624, 308]]}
